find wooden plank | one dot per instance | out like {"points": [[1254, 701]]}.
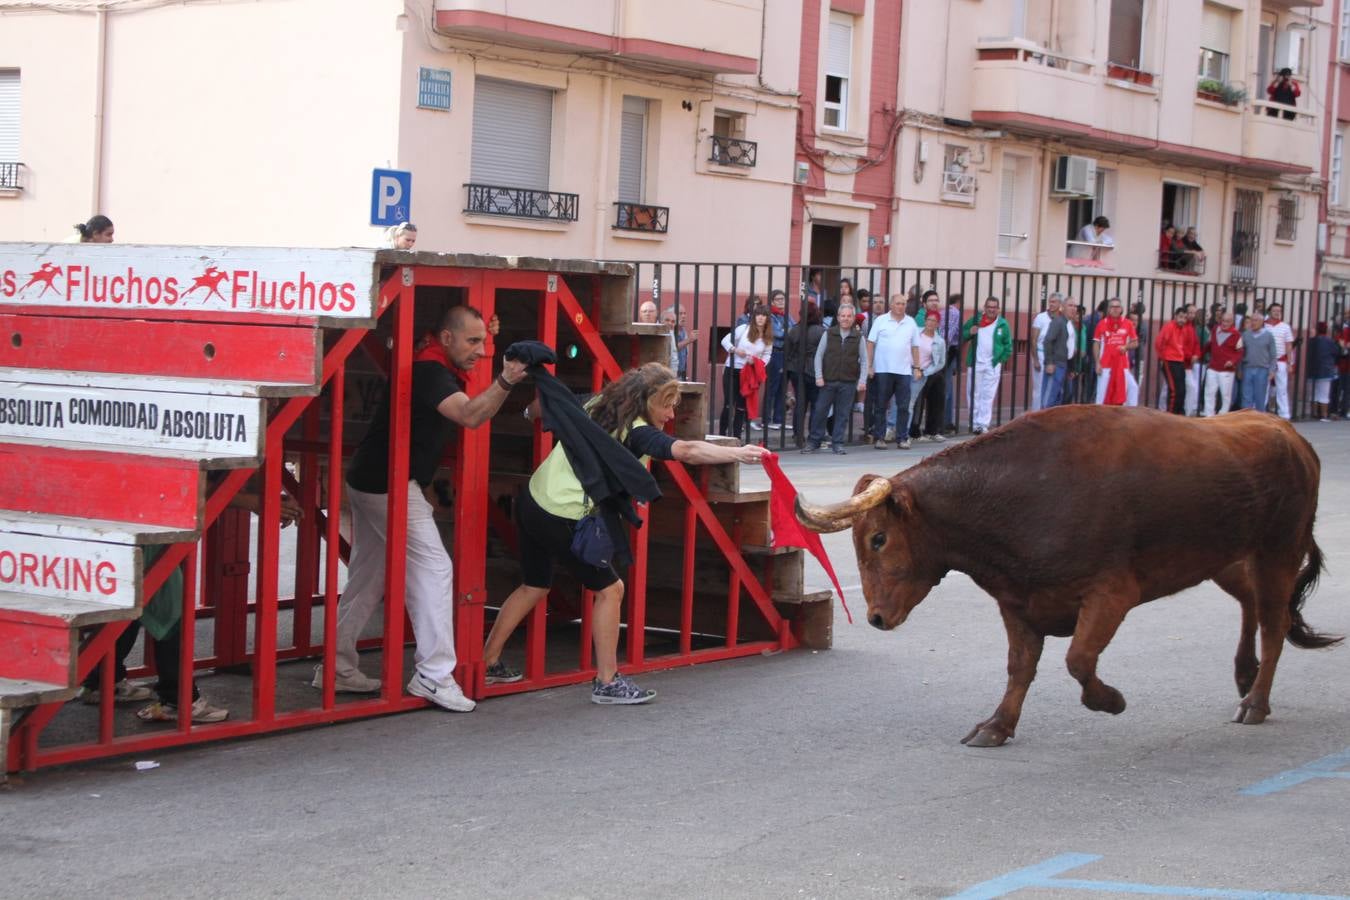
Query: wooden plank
{"points": [[223, 283], [214, 350], [69, 569], [263, 389], [72, 613], [193, 458], [18, 694], [812, 619], [101, 485], [81, 529], [43, 651], [110, 417]]}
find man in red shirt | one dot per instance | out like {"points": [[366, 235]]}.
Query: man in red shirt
{"points": [[1114, 337], [1174, 355], [1340, 406], [1225, 355]]}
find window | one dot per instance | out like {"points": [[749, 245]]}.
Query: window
{"points": [[1126, 44], [1014, 209], [1216, 38], [633, 150], [9, 116], [1337, 156], [958, 181], [1343, 46], [838, 68], [512, 134], [1287, 215], [1180, 206], [1246, 236], [729, 146], [1082, 210]]}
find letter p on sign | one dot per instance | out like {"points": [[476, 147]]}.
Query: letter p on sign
{"points": [[390, 197]]}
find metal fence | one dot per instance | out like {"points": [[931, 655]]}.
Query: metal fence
{"points": [[713, 295]]}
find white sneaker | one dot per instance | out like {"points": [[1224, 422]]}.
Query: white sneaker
{"points": [[355, 683], [890, 435], [936, 438], [445, 696]]}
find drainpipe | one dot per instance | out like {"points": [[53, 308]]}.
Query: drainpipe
{"points": [[100, 90], [602, 163]]}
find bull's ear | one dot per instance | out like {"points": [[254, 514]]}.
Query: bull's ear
{"points": [[902, 499]]}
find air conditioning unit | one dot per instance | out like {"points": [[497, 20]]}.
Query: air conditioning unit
{"points": [[1075, 176]]}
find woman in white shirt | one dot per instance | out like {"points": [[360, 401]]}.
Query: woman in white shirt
{"points": [[754, 339]]}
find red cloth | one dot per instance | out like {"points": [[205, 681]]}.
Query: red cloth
{"points": [[1343, 363], [433, 352], [986, 320], [1229, 350], [753, 376], [787, 531]]}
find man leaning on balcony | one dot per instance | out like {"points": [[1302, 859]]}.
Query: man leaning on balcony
{"points": [[1093, 233]]}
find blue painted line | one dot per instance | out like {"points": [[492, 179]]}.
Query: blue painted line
{"points": [[1326, 767], [1041, 876]]}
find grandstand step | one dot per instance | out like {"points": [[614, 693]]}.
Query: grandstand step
{"points": [[227, 352], [64, 568], [263, 389], [18, 693], [93, 529], [154, 489], [158, 420], [39, 636]]}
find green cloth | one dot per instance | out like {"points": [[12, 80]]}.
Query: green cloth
{"points": [[161, 612], [1002, 340]]}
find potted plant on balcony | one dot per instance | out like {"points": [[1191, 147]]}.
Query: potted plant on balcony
{"points": [[1210, 89]]}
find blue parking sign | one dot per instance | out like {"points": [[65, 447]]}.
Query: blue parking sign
{"points": [[390, 197]]}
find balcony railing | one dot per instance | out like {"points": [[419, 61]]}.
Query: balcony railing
{"points": [[958, 186], [729, 151], [1182, 262], [1089, 255], [1284, 112], [9, 176], [520, 203], [1120, 72], [641, 217], [1022, 50]]}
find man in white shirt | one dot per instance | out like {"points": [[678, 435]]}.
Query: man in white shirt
{"points": [[1284, 342], [1093, 233], [1039, 326], [890, 357]]}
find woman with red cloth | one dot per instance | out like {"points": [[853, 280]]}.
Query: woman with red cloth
{"points": [[748, 343], [1114, 338]]}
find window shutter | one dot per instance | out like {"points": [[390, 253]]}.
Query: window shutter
{"points": [[512, 134], [839, 49], [1007, 201], [1216, 28], [9, 117], [632, 149]]}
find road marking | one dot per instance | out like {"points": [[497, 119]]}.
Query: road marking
{"points": [[1326, 767], [1041, 876]]}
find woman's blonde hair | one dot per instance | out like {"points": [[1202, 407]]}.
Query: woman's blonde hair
{"points": [[632, 396]]}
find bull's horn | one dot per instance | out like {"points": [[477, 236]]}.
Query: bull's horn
{"points": [[839, 516]]}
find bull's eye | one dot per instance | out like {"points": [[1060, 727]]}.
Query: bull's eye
{"points": [[878, 540]]}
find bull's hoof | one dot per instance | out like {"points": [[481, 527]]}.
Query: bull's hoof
{"points": [[1250, 714], [1105, 699], [986, 735]]}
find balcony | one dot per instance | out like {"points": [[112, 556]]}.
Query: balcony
{"points": [[1087, 255], [1016, 81], [696, 36], [641, 217], [520, 203], [1286, 134], [1181, 262], [9, 177], [728, 151]]}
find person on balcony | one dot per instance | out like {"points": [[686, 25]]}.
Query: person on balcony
{"points": [[1169, 250], [1285, 91], [1095, 233], [1192, 254]]}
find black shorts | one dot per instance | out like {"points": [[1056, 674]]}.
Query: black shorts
{"points": [[544, 538]]}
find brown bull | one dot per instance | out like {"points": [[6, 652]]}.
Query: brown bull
{"points": [[1073, 516]]}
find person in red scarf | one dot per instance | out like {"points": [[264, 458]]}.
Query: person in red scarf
{"points": [[1174, 355], [1114, 338], [438, 404]]}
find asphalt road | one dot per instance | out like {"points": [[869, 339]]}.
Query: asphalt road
{"points": [[832, 774]]}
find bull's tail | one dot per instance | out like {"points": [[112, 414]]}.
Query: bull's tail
{"points": [[1300, 634]]}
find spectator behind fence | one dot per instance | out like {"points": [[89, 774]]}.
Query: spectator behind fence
{"points": [[1340, 399], [889, 355], [927, 394], [1225, 353], [1258, 361], [647, 313], [930, 305], [951, 333], [990, 347], [1285, 91], [1056, 341], [1284, 358], [747, 343], [668, 321], [1198, 337], [1036, 350], [775, 395], [815, 290], [801, 343], [1322, 353], [684, 339], [840, 369], [730, 377], [98, 230], [402, 236], [1114, 338], [1173, 348]]}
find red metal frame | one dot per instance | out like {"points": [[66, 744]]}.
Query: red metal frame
{"points": [[321, 546]]}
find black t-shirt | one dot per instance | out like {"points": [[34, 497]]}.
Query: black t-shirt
{"points": [[648, 440], [431, 432]]}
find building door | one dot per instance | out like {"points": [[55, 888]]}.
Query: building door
{"points": [[827, 252], [1246, 236]]}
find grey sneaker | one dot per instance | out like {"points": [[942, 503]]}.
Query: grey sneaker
{"points": [[811, 448], [839, 451], [620, 691], [446, 696], [937, 438], [881, 445], [356, 683], [500, 673], [903, 445]]}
